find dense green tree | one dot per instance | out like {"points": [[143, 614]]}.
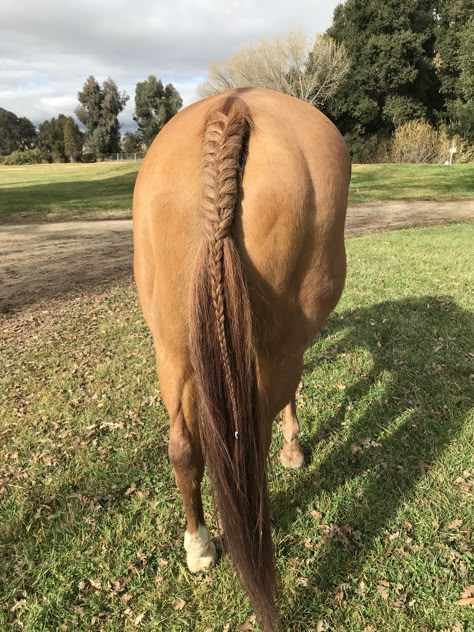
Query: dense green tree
{"points": [[132, 143], [454, 62], [461, 110], [73, 139], [155, 105], [60, 139], [98, 110], [16, 133], [51, 138], [451, 20], [392, 78], [113, 103]]}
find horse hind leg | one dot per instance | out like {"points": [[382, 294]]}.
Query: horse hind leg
{"points": [[291, 455], [187, 460]]}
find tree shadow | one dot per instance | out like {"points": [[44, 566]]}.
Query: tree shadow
{"points": [[104, 193], [420, 374]]}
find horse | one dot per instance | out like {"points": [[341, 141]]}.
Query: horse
{"points": [[238, 219]]}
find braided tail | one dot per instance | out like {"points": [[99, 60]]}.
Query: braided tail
{"points": [[223, 355]]}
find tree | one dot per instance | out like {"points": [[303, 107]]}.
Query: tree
{"points": [[132, 143], [16, 134], [51, 138], [98, 110], [392, 78], [293, 64], [454, 62], [89, 112], [451, 20], [155, 105], [60, 139], [113, 103], [73, 139]]}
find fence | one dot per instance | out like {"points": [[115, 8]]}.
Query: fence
{"points": [[139, 155]]}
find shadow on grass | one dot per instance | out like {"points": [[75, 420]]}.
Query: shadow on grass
{"points": [[424, 404], [98, 194], [421, 344]]}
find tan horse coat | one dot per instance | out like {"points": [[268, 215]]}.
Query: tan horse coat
{"points": [[268, 256]]}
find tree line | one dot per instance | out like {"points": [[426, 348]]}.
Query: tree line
{"points": [[60, 139], [385, 70], [381, 65]]}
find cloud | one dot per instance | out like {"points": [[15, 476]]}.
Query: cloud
{"points": [[48, 49]]}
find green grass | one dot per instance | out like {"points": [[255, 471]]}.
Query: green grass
{"points": [[67, 189], [374, 534], [105, 188], [374, 183]]}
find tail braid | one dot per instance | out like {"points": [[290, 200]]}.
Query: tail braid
{"points": [[222, 149], [224, 358]]}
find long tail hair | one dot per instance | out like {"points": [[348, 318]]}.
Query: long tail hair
{"points": [[224, 361]]}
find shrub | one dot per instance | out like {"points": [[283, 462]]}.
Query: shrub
{"points": [[88, 157], [376, 149], [28, 157], [418, 142], [464, 151]]}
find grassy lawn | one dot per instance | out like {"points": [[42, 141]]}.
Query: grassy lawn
{"points": [[374, 183], [67, 189], [75, 190], [375, 534]]}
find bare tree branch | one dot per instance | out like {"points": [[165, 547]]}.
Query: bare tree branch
{"points": [[293, 64]]}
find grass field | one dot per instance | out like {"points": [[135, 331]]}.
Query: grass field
{"points": [[68, 189], [71, 190], [375, 534]]}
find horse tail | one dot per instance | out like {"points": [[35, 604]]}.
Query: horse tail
{"points": [[224, 360]]}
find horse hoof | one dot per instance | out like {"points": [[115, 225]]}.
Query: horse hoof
{"points": [[292, 458], [201, 550]]}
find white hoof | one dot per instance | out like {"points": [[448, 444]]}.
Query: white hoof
{"points": [[200, 548]]}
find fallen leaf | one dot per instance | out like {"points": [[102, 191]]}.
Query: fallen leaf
{"points": [[79, 610], [383, 592], [454, 524], [468, 592], [95, 583], [468, 601], [179, 605], [131, 489]]}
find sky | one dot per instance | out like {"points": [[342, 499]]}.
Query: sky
{"points": [[49, 47]]}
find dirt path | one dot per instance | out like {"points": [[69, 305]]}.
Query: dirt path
{"points": [[38, 261]]}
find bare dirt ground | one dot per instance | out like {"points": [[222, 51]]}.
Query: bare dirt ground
{"points": [[42, 260]]}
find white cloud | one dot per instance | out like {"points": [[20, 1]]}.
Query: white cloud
{"points": [[49, 48]]}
